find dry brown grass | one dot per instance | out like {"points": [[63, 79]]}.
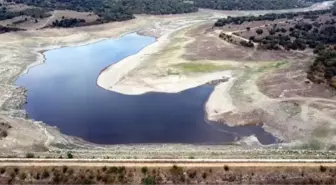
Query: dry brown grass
{"points": [[168, 175]]}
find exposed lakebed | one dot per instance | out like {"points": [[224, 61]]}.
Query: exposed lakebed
{"points": [[63, 92]]}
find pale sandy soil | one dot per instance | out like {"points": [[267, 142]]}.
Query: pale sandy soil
{"points": [[152, 69]]}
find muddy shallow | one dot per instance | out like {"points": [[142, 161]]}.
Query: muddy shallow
{"points": [[63, 92]]}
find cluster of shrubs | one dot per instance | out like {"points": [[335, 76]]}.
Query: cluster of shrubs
{"points": [[300, 37], [68, 22], [253, 4], [4, 126], [268, 17], [32, 12], [116, 10], [323, 69]]}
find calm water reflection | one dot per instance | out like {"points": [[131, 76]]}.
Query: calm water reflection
{"points": [[63, 93]]}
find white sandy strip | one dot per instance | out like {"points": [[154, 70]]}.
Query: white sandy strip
{"points": [[169, 84], [114, 78], [114, 74], [219, 101]]}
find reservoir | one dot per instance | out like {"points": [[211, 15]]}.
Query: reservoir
{"points": [[63, 92]]}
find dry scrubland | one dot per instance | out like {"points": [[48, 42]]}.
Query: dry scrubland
{"points": [[173, 174], [188, 53]]}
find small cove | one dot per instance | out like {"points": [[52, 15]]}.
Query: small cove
{"points": [[63, 92]]}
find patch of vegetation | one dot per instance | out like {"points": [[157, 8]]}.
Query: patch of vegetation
{"points": [[323, 168], [2, 170], [116, 10], [69, 155], [176, 175], [176, 170], [226, 168], [270, 66], [4, 29], [4, 127], [68, 23], [32, 12], [310, 32], [30, 155], [148, 180], [144, 170], [201, 67], [253, 4], [268, 17], [323, 70]]}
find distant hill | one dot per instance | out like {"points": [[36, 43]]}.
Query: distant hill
{"points": [[119, 10]]}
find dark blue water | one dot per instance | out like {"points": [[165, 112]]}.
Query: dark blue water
{"points": [[63, 92]]}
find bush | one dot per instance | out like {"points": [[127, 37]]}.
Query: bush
{"points": [[226, 168], [259, 31], [2, 170], [246, 44], [45, 174], [69, 155], [112, 169], [144, 170], [23, 176], [204, 175], [148, 180], [64, 169], [4, 133], [323, 168], [176, 170], [104, 168], [192, 174], [30, 155], [121, 169]]}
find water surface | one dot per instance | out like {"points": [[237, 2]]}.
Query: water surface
{"points": [[63, 92]]}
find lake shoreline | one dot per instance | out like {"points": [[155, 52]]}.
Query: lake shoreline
{"points": [[19, 138]]}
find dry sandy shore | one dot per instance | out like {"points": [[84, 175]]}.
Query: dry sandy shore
{"points": [[22, 50]]}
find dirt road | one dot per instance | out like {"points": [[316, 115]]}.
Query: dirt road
{"points": [[168, 162]]}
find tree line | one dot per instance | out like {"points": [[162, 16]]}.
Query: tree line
{"points": [[32, 12], [117, 10], [323, 69], [299, 37], [270, 17], [5, 29], [253, 4]]}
